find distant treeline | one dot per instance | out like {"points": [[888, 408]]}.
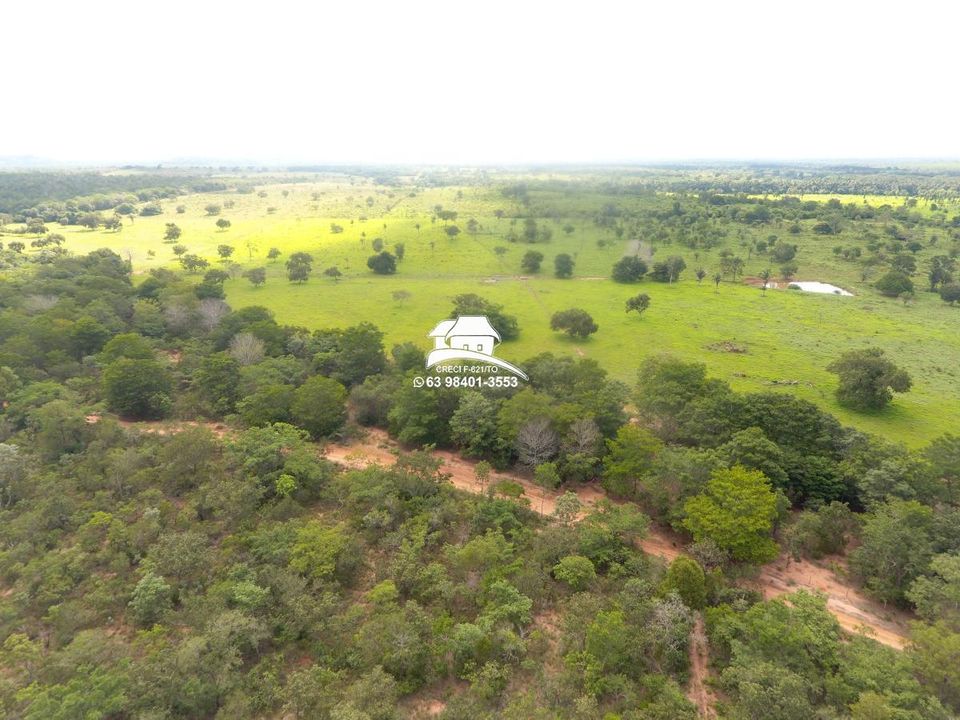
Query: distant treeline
{"points": [[21, 190]]}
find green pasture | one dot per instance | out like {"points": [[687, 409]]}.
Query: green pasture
{"points": [[789, 336]]}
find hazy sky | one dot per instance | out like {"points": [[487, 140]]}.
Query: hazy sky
{"points": [[497, 82]]}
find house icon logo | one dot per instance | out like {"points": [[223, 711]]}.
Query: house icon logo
{"points": [[469, 337]]}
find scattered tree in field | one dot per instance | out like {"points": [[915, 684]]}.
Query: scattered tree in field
{"points": [[273, 253], [941, 271], [629, 269], [333, 272], [212, 209], [16, 246], [382, 263], [179, 250], [193, 263], [299, 266], [531, 261], [472, 304], [668, 270], [731, 265], [736, 510], [452, 231], [256, 276], [868, 379], [500, 251], [949, 293], [172, 232], [717, 279], [225, 251], [400, 295], [336, 229], [377, 244], [638, 304], [893, 284], [788, 270], [765, 276], [399, 249], [223, 224], [181, 209], [575, 322], [563, 265]]}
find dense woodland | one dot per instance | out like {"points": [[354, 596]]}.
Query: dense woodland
{"points": [[236, 573]]}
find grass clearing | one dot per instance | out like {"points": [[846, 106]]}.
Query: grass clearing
{"points": [[790, 336]]}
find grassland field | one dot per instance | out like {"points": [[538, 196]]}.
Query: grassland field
{"points": [[789, 336]]}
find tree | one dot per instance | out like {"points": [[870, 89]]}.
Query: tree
{"points": [[481, 473], [686, 578], [473, 426], [896, 548], [638, 304], [545, 475], [471, 304], [256, 276], [736, 510], [320, 406], [172, 232], [531, 261], [382, 263], [224, 251], [223, 224], [137, 388], [567, 507], [788, 270], [246, 348], [893, 284], [299, 266], [933, 651], [576, 571], [563, 266], [943, 454], [273, 253], [321, 552], [868, 379], [212, 209], [193, 263], [217, 383], [575, 322], [949, 293], [629, 459], [765, 276], [629, 269], [152, 598], [936, 594], [333, 272], [669, 270]]}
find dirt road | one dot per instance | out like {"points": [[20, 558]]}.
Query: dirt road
{"points": [[854, 611], [698, 691]]}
